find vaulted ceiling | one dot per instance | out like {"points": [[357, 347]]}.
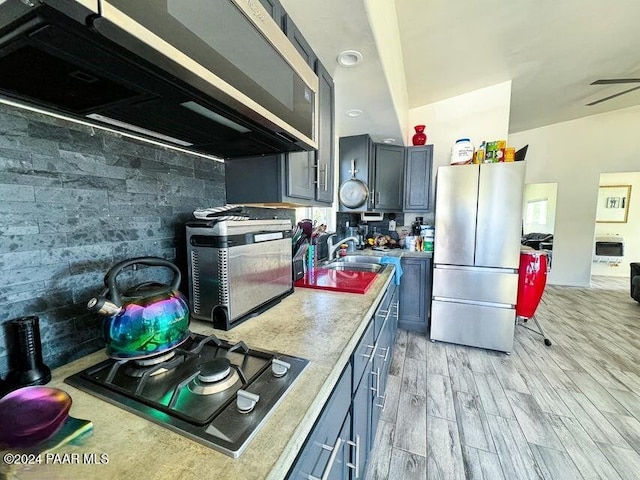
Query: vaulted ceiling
{"points": [[550, 50]]}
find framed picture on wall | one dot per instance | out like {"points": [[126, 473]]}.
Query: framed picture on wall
{"points": [[613, 203]]}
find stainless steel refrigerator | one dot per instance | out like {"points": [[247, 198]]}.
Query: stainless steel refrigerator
{"points": [[477, 253]]}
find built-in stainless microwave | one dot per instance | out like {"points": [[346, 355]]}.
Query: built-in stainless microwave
{"points": [[218, 76]]}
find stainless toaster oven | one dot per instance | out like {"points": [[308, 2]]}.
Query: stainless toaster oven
{"points": [[237, 268]]}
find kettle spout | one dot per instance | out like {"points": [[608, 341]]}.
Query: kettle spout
{"points": [[103, 306]]}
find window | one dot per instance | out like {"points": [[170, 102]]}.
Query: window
{"points": [[320, 216], [537, 211]]}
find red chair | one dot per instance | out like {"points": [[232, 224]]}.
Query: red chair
{"points": [[532, 278]]}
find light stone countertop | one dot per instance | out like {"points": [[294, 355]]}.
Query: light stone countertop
{"points": [[323, 327]]}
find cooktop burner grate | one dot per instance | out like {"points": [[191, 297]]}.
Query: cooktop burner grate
{"points": [[200, 390]]}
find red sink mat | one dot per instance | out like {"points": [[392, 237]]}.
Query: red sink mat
{"points": [[337, 280]]}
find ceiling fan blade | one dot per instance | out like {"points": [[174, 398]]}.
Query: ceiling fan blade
{"points": [[615, 81], [612, 96]]}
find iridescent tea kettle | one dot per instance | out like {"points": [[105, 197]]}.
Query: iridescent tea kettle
{"points": [[145, 320]]}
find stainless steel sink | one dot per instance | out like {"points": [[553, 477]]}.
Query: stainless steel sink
{"points": [[356, 263], [370, 259], [355, 266]]}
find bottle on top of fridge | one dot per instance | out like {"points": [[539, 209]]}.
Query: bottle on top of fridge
{"points": [[462, 152]]}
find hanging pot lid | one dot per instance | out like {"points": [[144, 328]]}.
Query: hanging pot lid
{"points": [[353, 193]]}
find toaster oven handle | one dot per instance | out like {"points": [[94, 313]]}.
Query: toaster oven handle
{"points": [[267, 236]]}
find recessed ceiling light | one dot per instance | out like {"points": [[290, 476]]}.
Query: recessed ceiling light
{"points": [[349, 58], [389, 140], [354, 113]]}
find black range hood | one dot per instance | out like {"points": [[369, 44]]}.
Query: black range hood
{"points": [[65, 56]]}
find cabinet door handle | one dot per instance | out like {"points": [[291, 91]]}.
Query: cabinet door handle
{"points": [[378, 197], [332, 459], [326, 178], [356, 466], [321, 185], [367, 348], [353, 170], [397, 306], [317, 180], [386, 354], [376, 388], [386, 313]]}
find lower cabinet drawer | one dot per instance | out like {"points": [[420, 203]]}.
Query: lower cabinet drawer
{"points": [[317, 455], [474, 325]]}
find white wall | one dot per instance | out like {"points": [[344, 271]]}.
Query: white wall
{"points": [[384, 26], [574, 154], [629, 231], [479, 115]]}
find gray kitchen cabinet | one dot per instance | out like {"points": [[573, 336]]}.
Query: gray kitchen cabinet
{"points": [[325, 156], [349, 420], [342, 464], [370, 394], [361, 412], [388, 178], [275, 10], [300, 166], [418, 165], [310, 174], [398, 178], [415, 294], [257, 180], [295, 37], [326, 449], [300, 169], [380, 371], [355, 156], [362, 354], [379, 166]]}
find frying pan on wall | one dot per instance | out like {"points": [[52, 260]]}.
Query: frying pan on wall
{"points": [[353, 193]]}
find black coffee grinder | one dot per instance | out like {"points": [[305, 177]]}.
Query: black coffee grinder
{"points": [[27, 366]]}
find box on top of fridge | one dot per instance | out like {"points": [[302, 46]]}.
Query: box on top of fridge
{"points": [[494, 151]]}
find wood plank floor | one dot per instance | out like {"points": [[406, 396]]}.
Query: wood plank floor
{"points": [[569, 411]]}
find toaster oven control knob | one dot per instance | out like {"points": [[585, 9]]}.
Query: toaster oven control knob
{"points": [[279, 368], [246, 401]]}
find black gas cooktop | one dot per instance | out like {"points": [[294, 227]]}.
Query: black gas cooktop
{"points": [[212, 391]]}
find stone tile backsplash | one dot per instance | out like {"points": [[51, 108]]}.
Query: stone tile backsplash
{"points": [[75, 200]]}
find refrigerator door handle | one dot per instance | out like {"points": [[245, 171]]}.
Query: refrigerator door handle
{"points": [[476, 269], [507, 306]]}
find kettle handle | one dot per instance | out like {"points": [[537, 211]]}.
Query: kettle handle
{"points": [[110, 277]]}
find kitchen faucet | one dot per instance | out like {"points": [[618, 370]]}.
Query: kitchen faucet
{"points": [[333, 247]]}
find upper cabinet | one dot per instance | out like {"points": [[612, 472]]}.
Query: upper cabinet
{"points": [[417, 179], [388, 179], [302, 178], [326, 133], [355, 160], [295, 37], [274, 9], [397, 178]]}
